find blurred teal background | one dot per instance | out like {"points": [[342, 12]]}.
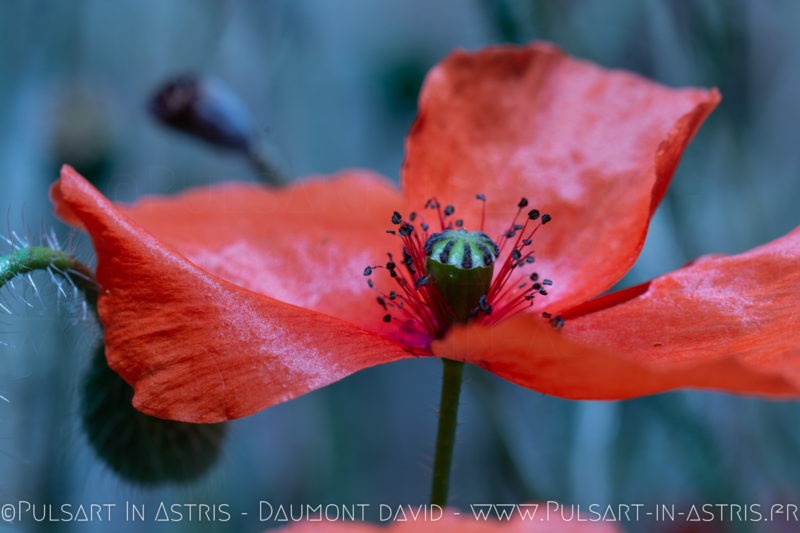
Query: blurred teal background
{"points": [[332, 84]]}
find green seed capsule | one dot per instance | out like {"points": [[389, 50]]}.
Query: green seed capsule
{"points": [[462, 263]]}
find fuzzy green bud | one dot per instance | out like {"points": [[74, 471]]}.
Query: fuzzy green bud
{"points": [[141, 449]]}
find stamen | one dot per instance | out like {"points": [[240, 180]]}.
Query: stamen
{"points": [[482, 198], [439, 284]]}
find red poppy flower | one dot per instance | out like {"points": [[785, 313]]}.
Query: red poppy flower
{"points": [[226, 300]]}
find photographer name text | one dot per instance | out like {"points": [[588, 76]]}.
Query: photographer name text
{"points": [[23, 511]]}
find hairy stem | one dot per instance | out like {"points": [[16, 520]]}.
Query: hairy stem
{"points": [[25, 260]]}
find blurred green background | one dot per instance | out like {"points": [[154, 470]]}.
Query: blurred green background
{"points": [[332, 84]]}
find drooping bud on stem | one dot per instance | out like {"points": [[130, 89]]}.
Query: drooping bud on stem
{"points": [[209, 110], [462, 263]]}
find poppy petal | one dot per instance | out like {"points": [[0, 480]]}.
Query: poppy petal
{"points": [[727, 323], [594, 148], [197, 347], [306, 245]]}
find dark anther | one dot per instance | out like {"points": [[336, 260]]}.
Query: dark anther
{"points": [[527, 242], [557, 322], [517, 227], [481, 197], [391, 265], [392, 295], [397, 218], [543, 292], [546, 315], [421, 282], [484, 305], [546, 219], [534, 277], [537, 286], [371, 284], [424, 226], [523, 202], [391, 232], [368, 271], [516, 255], [413, 216], [547, 282], [431, 204], [449, 210], [459, 223], [530, 259], [405, 229], [533, 214], [387, 318], [381, 301], [509, 233]]}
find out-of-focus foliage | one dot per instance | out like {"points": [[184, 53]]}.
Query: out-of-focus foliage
{"points": [[332, 84]]}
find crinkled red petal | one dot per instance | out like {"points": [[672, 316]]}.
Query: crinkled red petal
{"points": [[725, 323], [594, 148], [197, 338]]}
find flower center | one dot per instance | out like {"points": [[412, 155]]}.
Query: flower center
{"points": [[461, 264], [449, 276]]}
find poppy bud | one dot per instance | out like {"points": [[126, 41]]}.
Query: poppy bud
{"points": [[206, 109], [462, 263], [139, 448]]}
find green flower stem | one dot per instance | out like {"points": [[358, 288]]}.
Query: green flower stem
{"points": [[25, 260], [446, 437]]}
